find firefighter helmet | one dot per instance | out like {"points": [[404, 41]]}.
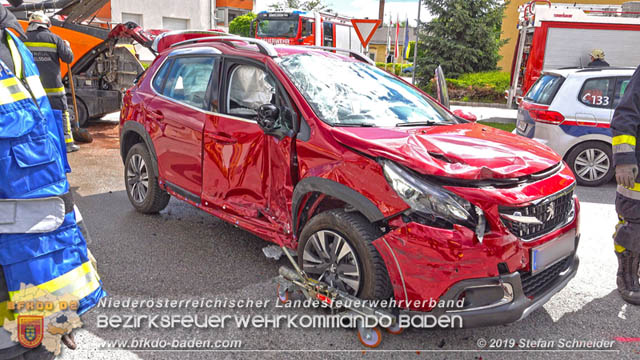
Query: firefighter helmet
{"points": [[597, 54], [39, 17]]}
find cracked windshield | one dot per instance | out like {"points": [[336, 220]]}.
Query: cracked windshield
{"points": [[355, 94]]}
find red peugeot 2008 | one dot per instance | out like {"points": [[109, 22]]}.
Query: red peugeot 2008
{"points": [[381, 191]]}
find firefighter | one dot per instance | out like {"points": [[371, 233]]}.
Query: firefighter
{"points": [[48, 50], [626, 130], [597, 59], [41, 244]]}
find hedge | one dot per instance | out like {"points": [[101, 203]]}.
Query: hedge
{"points": [[389, 67], [478, 87]]}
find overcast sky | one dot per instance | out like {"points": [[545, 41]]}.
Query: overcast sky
{"points": [[368, 8]]}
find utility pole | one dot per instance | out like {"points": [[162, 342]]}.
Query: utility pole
{"points": [[415, 48]]}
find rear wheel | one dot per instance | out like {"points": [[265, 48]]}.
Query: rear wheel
{"points": [[142, 185], [592, 163], [336, 248], [83, 113]]}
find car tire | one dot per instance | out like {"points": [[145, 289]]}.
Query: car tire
{"points": [[358, 234], [588, 161], [141, 182]]}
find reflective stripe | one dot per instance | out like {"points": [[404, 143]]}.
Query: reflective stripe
{"points": [[5, 313], [55, 91], [36, 86], [76, 282], [624, 139], [15, 55], [41, 44], [624, 148], [42, 47], [620, 249], [633, 193], [11, 90]]}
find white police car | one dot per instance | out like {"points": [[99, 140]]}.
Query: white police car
{"points": [[570, 111]]}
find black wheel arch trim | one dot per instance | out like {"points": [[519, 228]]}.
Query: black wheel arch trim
{"points": [[132, 126], [336, 190]]}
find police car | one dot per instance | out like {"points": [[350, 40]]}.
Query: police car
{"points": [[570, 111]]}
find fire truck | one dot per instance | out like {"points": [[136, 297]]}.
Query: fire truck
{"points": [[555, 36], [295, 27]]}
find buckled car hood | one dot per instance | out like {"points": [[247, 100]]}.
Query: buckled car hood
{"points": [[465, 151]]}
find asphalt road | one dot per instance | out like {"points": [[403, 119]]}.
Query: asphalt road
{"points": [[184, 253]]}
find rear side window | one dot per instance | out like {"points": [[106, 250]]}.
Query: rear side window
{"points": [[597, 92], [188, 80], [621, 88], [161, 76], [545, 89]]}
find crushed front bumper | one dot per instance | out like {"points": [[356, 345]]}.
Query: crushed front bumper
{"points": [[525, 298]]}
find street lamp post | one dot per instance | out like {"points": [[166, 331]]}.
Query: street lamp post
{"points": [[415, 48]]}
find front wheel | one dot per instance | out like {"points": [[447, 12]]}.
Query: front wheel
{"points": [[142, 185], [336, 248], [592, 163]]}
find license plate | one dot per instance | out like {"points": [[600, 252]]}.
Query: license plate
{"points": [[522, 125], [551, 252]]}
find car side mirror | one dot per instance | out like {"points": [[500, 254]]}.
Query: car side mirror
{"points": [[465, 115], [268, 115]]}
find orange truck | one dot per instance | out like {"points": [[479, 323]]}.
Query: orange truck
{"points": [[102, 69]]}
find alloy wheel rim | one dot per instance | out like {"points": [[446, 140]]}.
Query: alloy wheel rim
{"points": [[137, 178], [328, 257], [592, 164]]}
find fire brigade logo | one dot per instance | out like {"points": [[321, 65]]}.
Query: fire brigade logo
{"points": [[30, 330]]}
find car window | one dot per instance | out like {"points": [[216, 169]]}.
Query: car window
{"points": [[249, 88], [545, 89], [597, 92], [621, 87], [161, 76], [189, 79]]}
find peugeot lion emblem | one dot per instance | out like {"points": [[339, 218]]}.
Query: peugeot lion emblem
{"points": [[551, 211]]}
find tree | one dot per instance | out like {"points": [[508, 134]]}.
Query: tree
{"points": [[241, 25], [463, 37], [307, 5]]}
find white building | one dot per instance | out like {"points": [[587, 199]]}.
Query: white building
{"points": [[179, 15]]}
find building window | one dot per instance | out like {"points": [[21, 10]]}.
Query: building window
{"points": [[170, 23], [136, 18], [221, 17]]}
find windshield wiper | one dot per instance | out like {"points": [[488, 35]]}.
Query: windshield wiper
{"points": [[354, 125], [420, 123]]}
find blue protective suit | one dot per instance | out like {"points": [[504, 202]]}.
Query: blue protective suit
{"points": [[40, 242]]}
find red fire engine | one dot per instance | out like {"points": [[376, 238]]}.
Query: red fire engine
{"points": [[297, 27], [554, 36]]}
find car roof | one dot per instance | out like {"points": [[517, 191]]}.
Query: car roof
{"points": [[590, 72]]}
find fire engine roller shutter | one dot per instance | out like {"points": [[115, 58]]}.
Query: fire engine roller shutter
{"points": [[568, 47]]}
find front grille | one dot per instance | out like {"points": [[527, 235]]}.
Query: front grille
{"points": [[533, 221], [533, 285]]}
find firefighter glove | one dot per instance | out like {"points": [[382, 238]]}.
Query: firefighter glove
{"points": [[626, 175]]}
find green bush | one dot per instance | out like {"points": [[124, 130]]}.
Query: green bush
{"points": [[477, 87], [497, 80], [389, 67], [241, 25]]}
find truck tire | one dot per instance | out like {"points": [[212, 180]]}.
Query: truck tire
{"points": [[336, 247], [142, 185], [592, 163], [83, 113]]}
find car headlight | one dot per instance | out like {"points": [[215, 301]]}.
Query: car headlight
{"points": [[432, 200]]}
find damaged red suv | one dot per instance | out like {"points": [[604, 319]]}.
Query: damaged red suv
{"points": [[381, 191]]}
